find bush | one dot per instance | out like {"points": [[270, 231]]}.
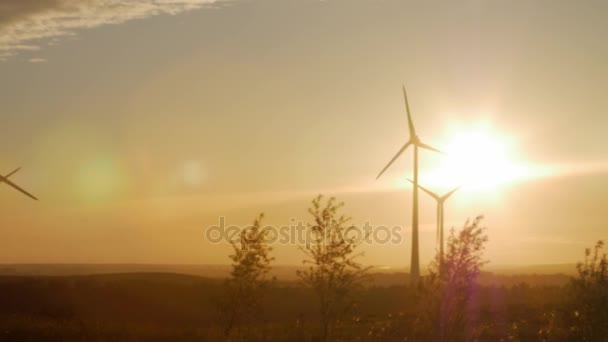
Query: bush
{"points": [[446, 293], [588, 302], [248, 279], [332, 273]]}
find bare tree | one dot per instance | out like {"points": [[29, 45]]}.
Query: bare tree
{"points": [[332, 272], [249, 277]]}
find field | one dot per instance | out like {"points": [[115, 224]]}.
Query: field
{"points": [[177, 307]]}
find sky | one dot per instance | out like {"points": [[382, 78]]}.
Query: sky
{"points": [[139, 123]]}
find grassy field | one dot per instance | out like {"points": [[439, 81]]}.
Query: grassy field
{"points": [[175, 307]]}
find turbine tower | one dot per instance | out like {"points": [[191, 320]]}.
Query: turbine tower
{"points": [[4, 179], [440, 204], [413, 140]]}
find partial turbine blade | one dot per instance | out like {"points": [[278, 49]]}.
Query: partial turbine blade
{"points": [[15, 186], [428, 147], [394, 158], [429, 192], [446, 196], [12, 173], [410, 123]]}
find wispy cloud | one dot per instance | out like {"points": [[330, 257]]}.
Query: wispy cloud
{"points": [[37, 60], [29, 24]]}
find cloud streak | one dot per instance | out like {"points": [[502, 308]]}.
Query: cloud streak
{"points": [[26, 25]]}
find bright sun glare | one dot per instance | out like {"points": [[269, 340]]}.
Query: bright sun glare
{"points": [[478, 159]]}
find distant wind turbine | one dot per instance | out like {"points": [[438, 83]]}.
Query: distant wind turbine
{"points": [[4, 179], [440, 204], [414, 140]]}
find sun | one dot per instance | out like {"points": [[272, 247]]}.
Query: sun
{"points": [[477, 158]]}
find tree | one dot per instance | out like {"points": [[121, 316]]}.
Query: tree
{"points": [[332, 272], [588, 300], [248, 278], [447, 291]]}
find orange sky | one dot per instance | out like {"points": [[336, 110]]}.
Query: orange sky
{"points": [[139, 124]]}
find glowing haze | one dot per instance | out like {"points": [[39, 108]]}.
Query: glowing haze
{"points": [[138, 123]]}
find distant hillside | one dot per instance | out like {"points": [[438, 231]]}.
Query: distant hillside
{"points": [[211, 271], [568, 269], [282, 272]]}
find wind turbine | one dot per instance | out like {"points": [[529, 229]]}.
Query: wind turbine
{"points": [[4, 179], [440, 202], [414, 141]]}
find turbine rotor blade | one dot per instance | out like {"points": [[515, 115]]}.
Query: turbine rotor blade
{"points": [[446, 196], [16, 187], [429, 192], [428, 147], [12, 173], [410, 123], [394, 158]]}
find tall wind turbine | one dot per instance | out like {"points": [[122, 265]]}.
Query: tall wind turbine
{"points": [[414, 141], [4, 179], [440, 204]]}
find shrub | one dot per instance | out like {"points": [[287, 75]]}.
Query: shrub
{"points": [[588, 302], [446, 293], [248, 278], [332, 273]]}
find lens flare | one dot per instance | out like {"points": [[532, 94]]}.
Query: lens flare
{"points": [[479, 159], [100, 179]]}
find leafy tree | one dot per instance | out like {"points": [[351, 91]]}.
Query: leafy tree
{"points": [[588, 304], [249, 277], [332, 272], [446, 295]]}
